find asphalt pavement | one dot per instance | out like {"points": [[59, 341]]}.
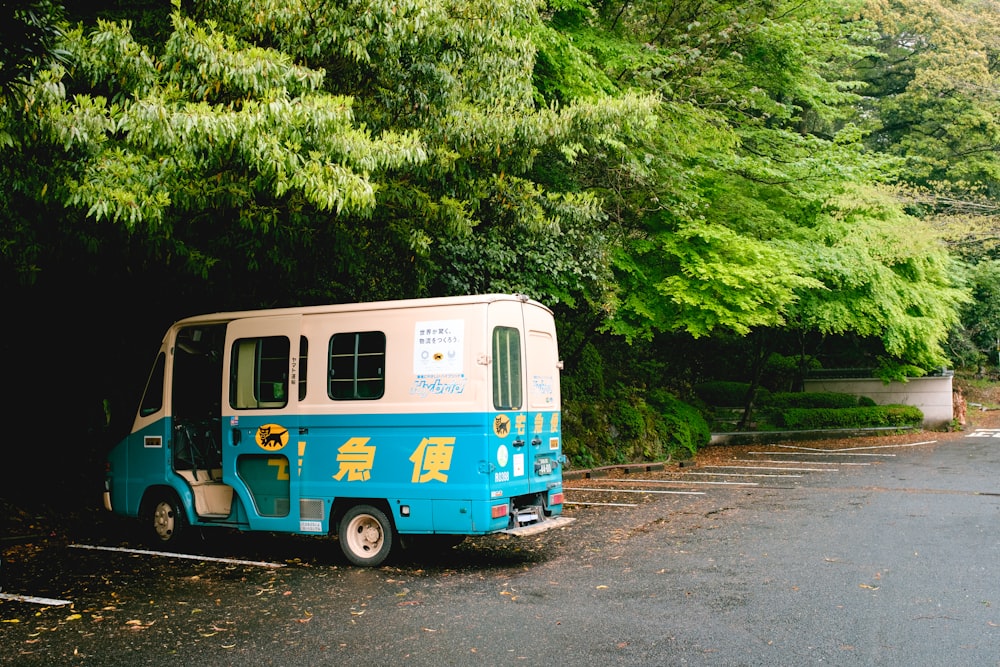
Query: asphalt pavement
{"points": [[844, 553]]}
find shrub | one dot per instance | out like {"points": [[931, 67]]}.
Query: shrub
{"points": [[627, 420], [631, 427], [858, 417], [901, 415], [586, 380], [681, 426], [801, 399], [585, 433]]}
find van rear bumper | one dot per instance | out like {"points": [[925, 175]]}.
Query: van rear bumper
{"points": [[540, 527]]}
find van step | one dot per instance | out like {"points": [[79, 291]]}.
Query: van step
{"points": [[540, 527]]}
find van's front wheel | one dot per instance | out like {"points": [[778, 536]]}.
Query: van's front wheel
{"points": [[166, 522], [365, 535]]}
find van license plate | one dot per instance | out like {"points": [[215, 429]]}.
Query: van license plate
{"points": [[543, 467]]}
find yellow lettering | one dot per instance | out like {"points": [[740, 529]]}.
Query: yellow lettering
{"points": [[356, 458], [281, 463], [432, 460]]}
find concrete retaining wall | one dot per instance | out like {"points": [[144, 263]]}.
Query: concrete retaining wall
{"points": [[931, 394]]}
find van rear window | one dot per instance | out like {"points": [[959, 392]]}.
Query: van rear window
{"points": [[357, 366], [506, 368]]}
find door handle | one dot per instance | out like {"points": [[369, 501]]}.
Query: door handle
{"points": [[236, 437], [536, 441], [518, 443]]}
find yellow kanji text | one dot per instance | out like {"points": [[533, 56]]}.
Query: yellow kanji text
{"points": [[432, 459]]}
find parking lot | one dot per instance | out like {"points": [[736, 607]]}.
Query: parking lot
{"points": [[850, 552], [768, 466]]}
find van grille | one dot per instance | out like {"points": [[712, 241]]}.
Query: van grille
{"points": [[311, 508]]}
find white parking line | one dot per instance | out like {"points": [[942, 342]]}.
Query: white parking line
{"points": [[855, 449], [834, 463], [683, 481], [168, 554], [614, 490], [774, 468], [48, 602], [821, 452], [736, 474], [566, 502]]}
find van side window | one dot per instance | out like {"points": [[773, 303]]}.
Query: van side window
{"points": [[152, 399], [357, 366], [506, 368], [259, 373]]}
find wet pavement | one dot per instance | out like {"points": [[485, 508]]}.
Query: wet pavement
{"points": [[846, 553]]}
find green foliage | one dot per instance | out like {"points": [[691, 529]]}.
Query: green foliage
{"points": [[859, 417], [482, 213], [730, 394], [586, 437], [29, 38], [785, 400], [764, 224], [626, 420], [934, 104], [785, 373], [890, 370], [631, 427], [697, 176], [584, 380], [680, 425], [979, 327]]}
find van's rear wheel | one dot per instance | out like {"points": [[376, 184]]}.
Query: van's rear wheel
{"points": [[365, 535], [166, 523]]}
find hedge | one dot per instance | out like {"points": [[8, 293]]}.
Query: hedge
{"points": [[818, 399], [860, 417]]}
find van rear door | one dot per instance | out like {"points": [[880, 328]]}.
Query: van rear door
{"points": [[509, 450], [525, 445], [543, 401], [260, 421]]}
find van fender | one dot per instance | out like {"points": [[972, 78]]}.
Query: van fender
{"points": [[183, 494], [341, 505]]}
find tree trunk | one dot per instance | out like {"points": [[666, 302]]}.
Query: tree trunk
{"points": [[761, 350]]}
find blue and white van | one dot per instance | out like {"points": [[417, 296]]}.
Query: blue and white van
{"points": [[373, 422]]}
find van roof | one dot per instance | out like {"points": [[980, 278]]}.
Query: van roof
{"points": [[360, 307]]}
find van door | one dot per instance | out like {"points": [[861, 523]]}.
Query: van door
{"points": [[512, 458], [525, 445], [260, 419], [543, 403]]}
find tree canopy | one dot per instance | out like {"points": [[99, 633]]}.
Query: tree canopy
{"points": [[696, 170]]}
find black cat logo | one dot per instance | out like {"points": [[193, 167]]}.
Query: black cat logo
{"points": [[501, 426], [271, 437]]}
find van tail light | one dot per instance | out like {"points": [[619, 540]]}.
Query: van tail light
{"points": [[556, 498], [499, 511]]}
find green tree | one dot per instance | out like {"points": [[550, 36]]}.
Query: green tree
{"points": [[934, 100], [751, 213], [29, 36], [488, 209], [974, 339]]}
